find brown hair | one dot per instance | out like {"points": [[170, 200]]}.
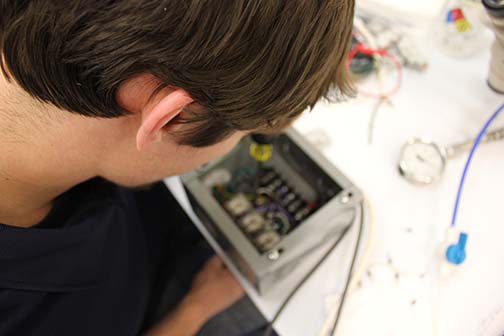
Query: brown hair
{"points": [[247, 63]]}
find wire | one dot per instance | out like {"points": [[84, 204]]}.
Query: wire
{"points": [[362, 49], [371, 223], [357, 275], [370, 41], [378, 55], [469, 159], [269, 328], [350, 272], [374, 114], [363, 265]]}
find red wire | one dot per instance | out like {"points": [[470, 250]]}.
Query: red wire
{"points": [[362, 49]]}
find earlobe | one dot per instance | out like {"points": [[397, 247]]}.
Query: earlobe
{"points": [[156, 115]]}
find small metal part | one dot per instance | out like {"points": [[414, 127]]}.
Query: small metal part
{"points": [[302, 214], [267, 240], [345, 199], [264, 191], [261, 200], [281, 223], [252, 223], [275, 184], [282, 191], [294, 206], [268, 177], [238, 205], [288, 198], [274, 255]]}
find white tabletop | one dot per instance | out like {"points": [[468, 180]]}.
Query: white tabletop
{"points": [[402, 292]]}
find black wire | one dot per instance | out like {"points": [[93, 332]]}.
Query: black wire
{"points": [[269, 329], [350, 272]]}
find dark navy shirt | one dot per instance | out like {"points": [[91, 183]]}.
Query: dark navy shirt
{"points": [[90, 267]]}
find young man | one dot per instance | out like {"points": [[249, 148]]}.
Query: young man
{"points": [[100, 97]]}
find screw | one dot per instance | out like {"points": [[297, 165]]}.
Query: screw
{"points": [[274, 255], [345, 199]]}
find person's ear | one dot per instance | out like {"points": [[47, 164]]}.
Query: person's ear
{"points": [[155, 112], [158, 114]]}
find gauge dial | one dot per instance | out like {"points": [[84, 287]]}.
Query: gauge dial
{"points": [[421, 161]]}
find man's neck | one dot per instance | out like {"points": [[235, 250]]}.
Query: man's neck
{"points": [[23, 203], [31, 177], [38, 160]]}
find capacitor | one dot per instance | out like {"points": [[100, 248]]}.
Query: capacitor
{"points": [[238, 205], [252, 223], [267, 240]]}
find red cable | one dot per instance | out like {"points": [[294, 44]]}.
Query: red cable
{"points": [[362, 49]]}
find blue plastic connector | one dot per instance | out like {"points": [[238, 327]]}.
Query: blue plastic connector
{"points": [[456, 254]]}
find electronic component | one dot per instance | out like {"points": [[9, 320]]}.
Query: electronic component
{"points": [[267, 240], [261, 148], [252, 223], [270, 214], [238, 205], [361, 64]]}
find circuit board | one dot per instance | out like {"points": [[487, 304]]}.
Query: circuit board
{"points": [[262, 203]]}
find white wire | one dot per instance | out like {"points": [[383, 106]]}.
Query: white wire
{"points": [[380, 75], [368, 249], [357, 275]]}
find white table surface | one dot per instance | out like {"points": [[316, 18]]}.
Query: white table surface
{"points": [[449, 103]]}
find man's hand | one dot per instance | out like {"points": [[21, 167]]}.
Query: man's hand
{"points": [[213, 289]]}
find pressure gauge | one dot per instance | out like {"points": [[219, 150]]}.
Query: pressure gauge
{"points": [[422, 161]]}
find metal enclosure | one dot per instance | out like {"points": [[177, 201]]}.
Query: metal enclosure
{"points": [[311, 175]]}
